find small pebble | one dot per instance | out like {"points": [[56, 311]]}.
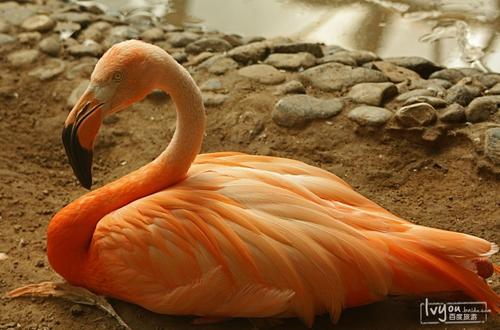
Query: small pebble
{"points": [[454, 113], [480, 109], [492, 144], [290, 87], [296, 111], [41, 23], [416, 115], [369, 115], [262, 73]]}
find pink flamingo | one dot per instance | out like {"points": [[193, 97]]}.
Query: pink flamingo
{"points": [[235, 235]]}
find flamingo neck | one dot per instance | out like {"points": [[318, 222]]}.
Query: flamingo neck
{"points": [[70, 232]]}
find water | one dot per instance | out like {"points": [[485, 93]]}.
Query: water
{"points": [[455, 33]]}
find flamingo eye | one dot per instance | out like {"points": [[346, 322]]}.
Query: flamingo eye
{"points": [[117, 76]]}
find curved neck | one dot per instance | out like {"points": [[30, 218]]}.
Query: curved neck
{"points": [[71, 230]]}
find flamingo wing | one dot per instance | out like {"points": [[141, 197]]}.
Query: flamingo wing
{"points": [[263, 236]]}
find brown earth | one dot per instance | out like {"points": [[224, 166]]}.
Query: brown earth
{"points": [[437, 185]]}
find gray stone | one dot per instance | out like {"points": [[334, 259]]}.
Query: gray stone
{"points": [[153, 34], [335, 76], [203, 57], [124, 32], [495, 90], [343, 58], [481, 108], [373, 93], [297, 47], [360, 56], [222, 65], [80, 18], [420, 65], [213, 99], [233, 39], [452, 75], [23, 57], [488, 80], [251, 39], [40, 23], [180, 56], [29, 37], [470, 72], [296, 61], [250, 53], [49, 70], [15, 15], [436, 102], [77, 92], [332, 50], [416, 115], [118, 34], [68, 29], [182, 39], [92, 7], [82, 69], [492, 144], [50, 45], [291, 87], [96, 31], [454, 113], [6, 39], [209, 44], [369, 116], [262, 73], [462, 94], [393, 72], [438, 84], [211, 85], [296, 111], [89, 48], [416, 92], [171, 28]]}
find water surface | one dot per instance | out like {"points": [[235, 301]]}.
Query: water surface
{"points": [[455, 33]]}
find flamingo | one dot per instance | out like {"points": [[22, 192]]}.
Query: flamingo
{"points": [[228, 234]]}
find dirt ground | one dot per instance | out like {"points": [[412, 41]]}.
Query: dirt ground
{"points": [[437, 185]]}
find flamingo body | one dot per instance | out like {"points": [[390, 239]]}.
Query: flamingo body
{"points": [[236, 235], [255, 236]]}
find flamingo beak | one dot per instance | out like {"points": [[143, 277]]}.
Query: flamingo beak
{"points": [[78, 135]]}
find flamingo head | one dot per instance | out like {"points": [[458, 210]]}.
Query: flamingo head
{"points": [[125, 74]]}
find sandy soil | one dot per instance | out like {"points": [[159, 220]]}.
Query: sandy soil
{"points": [[437, 185]]}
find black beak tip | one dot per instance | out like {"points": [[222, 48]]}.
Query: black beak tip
{"points": [[79, 157], [85, 181]]}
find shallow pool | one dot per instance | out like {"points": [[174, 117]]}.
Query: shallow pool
{"points": [[456, 33]]}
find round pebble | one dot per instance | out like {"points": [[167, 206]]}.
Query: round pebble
{"points": [[481, 108], [262, 73], [416, 115], [492, 144], [369, 115], [41, 23], [296, 111], [50, 45]]}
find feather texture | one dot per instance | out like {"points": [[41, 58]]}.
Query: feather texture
{"points": [[258, 236]]}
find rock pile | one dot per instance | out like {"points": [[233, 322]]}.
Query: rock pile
{"points": [[310, 81]]}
